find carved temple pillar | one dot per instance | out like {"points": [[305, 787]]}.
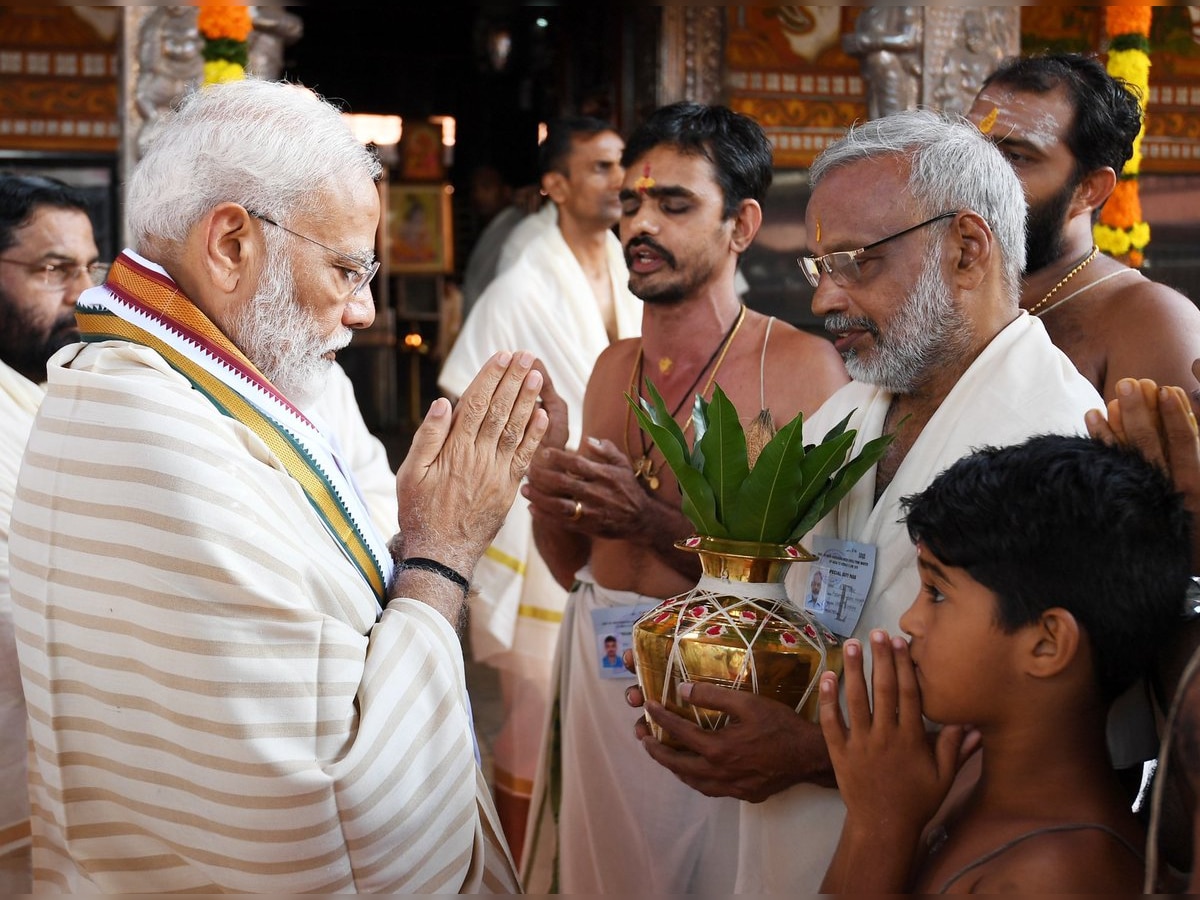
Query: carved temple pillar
{"points": [[691, 54]]}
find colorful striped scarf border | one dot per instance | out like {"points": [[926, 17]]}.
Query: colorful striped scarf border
{"points": [[208, 359]]}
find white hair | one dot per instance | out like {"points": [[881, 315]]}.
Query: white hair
{"points": [[952, 167], [277, 149]]}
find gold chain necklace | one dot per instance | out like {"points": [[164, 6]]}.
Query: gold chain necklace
{"points": [[1075, 271], [644, 468]]}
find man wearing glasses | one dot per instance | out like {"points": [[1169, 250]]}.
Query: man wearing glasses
{"points": [[47, 257], [916, 227], [234, 681]]}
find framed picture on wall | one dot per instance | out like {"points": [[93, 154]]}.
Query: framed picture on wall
{"points": [[421, 152], [420, 229]]}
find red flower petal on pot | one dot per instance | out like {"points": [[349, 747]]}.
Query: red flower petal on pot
{"points": [[791, 551], [789, 638], [662, 617], [698, 611], [810, 631], [750, 614], [715, 630]]}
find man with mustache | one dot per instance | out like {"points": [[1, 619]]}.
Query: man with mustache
{"points": [[916, 226], [1067, 127], [606, 517], [235, 682], [47, 257], [566, 299]]}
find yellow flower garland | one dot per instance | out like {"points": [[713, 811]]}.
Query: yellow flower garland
{"points": [[220, 71], [1121, 230]]}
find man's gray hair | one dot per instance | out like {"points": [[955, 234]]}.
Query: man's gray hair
{"points": [[953, 166], [277, 149]]}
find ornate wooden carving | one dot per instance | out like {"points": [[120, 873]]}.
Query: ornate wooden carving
{"points": [[692, 54], [58, 70]]}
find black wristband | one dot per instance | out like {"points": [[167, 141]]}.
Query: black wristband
{"points": [[437, 568]]}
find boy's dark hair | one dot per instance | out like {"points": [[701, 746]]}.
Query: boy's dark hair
{"points": [[1107, 115], [20, 195], [1066, 522], [560, 134], [735, 144]]}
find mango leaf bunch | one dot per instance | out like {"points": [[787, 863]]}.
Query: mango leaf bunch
{"points": [[775, 495]]}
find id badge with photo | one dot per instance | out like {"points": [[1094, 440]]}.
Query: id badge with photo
{"points": [[839, 582], [613, 630]]}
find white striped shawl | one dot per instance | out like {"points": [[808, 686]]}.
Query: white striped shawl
{"points": [[213, 706], [19, 399]]}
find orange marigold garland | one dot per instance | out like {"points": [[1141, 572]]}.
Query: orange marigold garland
{"points": [[226, 29], [1121, 230]]}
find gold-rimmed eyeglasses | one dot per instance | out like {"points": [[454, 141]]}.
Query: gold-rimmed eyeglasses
{"points": [[357, 277], [55, 276], [842, 265]]}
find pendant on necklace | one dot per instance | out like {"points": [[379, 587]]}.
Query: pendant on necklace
{"points": [[664, 364], [644, 470]]}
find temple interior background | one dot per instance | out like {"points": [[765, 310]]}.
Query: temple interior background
{"points": [[473, 81]]}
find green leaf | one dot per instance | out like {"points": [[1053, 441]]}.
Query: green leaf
{"points": [[766, 502], [660, 415], [699, 504], [819, 467], [702, 514], [849, 475], [838, 429], [724, 449], [841, 483], [811, 517]]}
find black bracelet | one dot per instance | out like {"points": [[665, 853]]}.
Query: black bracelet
{"points": [[437, 568]]}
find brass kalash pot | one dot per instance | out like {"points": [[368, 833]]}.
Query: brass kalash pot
{"points": [[735, 629], [751, 494]]}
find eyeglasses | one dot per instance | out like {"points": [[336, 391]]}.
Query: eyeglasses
{"points": [[842, 265], [357, 277], [56, 276]]}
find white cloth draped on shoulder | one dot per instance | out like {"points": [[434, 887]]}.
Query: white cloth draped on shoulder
{"points": [[544, 304]]}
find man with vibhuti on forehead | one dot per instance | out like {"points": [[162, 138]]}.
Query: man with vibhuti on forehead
{"points": [[234, 682], [1067, 127]]}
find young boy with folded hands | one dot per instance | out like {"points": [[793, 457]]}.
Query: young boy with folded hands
{"points": [[1051, 572]]}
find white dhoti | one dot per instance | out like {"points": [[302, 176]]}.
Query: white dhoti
{"points": [[625, 824]]}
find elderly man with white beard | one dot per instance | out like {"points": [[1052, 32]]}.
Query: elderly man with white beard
{"points": [[234, 682], [916, 224]]}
